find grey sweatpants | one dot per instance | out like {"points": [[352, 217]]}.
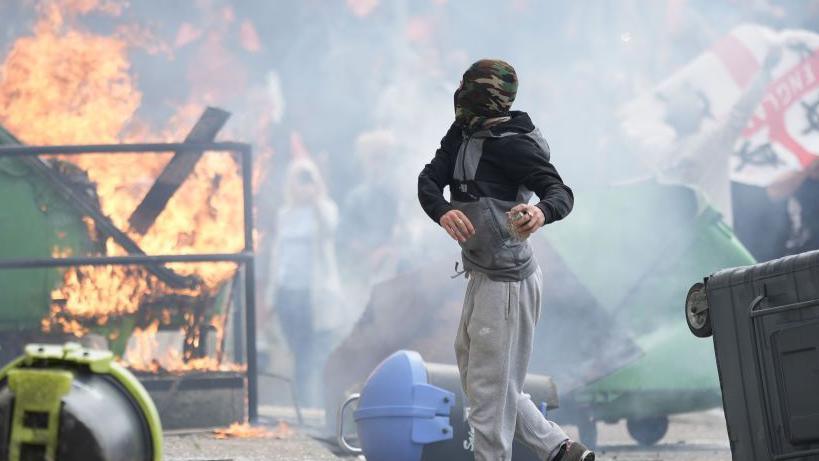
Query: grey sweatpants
{"points": [[492, 348]]}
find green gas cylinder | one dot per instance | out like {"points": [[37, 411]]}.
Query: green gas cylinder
{"points": [[69, 403]]}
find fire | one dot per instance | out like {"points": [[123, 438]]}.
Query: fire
{"points": [[142, 355], [85, 297], [67, 85], [246, 431], [213, 224], [63, 85]]}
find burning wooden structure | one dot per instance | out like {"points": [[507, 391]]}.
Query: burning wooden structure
{"points": [[109, 287]]}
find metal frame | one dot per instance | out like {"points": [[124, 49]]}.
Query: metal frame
{"points": [[245, 257]]}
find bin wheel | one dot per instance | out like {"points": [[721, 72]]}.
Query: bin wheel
{"points": [[587, 429], [697, 311], [647, 431]]}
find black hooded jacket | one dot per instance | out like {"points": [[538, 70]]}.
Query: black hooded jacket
{"points": [[506, 164]]}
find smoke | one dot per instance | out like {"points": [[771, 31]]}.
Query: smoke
{"points": [[332, 70]]}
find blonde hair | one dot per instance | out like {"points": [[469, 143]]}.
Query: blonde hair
{"points": [[297, 167]]}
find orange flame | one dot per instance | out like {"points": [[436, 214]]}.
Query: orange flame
{"points": [[66, 85], [246, 431], [146, 353]]}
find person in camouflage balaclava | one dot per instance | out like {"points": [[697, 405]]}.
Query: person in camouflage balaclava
{"points": [[487, 91], [493, 159]]}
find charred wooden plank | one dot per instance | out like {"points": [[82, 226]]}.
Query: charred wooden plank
{"points": [[176, 171]]}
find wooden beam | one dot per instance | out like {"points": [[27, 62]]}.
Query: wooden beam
{"points": [[176, 171]]}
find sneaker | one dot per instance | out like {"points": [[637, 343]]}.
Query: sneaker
{"points": [[574, 451]]}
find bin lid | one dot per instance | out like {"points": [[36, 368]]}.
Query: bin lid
{"points": [[399, 389]]}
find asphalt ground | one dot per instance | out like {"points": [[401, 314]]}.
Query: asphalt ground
{"points": [[691, 437]]}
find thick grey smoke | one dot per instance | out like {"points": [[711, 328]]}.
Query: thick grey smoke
{"points": [[320, 74]]}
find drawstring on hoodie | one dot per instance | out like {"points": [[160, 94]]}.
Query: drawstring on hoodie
{"points": [[457, 272]]}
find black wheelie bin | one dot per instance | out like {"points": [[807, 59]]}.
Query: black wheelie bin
{"points": [[765, 325]]}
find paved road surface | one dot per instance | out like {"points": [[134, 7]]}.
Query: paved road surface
{"points": [[691, 437]]}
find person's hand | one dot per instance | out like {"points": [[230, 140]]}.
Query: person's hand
{"points": [[531, 221], [457, 225]]}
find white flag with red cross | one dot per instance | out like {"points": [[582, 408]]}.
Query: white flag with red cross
{"points": [[782, 135]]}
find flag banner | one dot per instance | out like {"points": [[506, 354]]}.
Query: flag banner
{"points": [[782, 133]]}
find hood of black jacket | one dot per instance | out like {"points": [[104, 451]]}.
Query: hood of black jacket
{"points": [[519, 122]]}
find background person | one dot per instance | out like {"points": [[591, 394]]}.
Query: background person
{"points": [[306, 275], [369, 217]]}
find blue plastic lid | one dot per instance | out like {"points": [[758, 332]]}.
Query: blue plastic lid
{"points": [[399, 411]]}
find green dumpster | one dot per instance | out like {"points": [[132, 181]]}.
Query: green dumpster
{"points": [[637, 247], [35, 222]]}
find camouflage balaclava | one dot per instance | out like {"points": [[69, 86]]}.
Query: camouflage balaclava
{"points": [[487, 91]]}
